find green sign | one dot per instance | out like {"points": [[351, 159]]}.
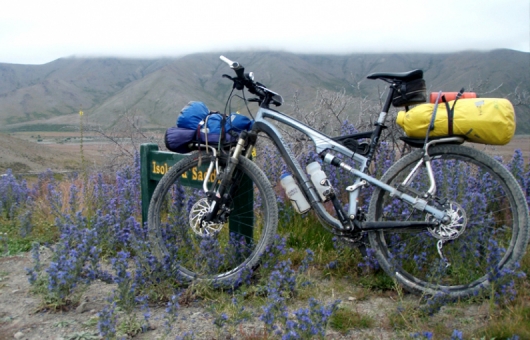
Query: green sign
{"points": [[154, 164]]}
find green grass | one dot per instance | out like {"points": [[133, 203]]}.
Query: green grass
{"points": [[511, 318], [345, 319], [12, 242]]}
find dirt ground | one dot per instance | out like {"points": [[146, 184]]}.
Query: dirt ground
{"points": [[506, 151], [22, 316]]}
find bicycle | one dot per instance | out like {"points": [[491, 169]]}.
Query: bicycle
{"points": [[429, 236]]}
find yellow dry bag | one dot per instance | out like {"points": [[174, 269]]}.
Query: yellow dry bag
{"points": [[478, 120]]}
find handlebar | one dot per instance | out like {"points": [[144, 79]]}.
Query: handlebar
{"points": [[243, 79], [234, 65]]}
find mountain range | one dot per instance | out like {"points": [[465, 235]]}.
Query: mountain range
{"points": [[50, 96]]}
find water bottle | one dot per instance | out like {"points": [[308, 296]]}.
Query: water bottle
{"points": [[319, 179], [300, 203]]}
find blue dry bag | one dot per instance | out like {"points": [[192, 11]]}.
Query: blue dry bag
{"points": [[190, 128]]}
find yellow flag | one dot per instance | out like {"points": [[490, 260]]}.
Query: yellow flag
{"points": [[80, 112]]}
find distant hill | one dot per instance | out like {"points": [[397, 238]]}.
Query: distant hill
{"points": [[34, 97]]}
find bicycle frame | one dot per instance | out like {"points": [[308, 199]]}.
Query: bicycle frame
{"points": [[454, 236], [323, 143]]}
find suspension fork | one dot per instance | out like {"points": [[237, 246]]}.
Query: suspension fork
{"points": [[228, 184]]}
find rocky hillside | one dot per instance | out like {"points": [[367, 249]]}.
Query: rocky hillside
{"points": [[44, 97]]}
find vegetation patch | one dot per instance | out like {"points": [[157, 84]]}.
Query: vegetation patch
{"points": [[310, 283]]}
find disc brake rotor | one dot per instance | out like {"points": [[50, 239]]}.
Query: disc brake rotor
{"points": [[454, 228], [200, 227]]}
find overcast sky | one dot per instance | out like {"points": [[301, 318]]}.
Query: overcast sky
{"points": [[37, 31]]}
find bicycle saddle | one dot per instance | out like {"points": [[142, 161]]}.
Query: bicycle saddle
{"points": [[400, 76]]}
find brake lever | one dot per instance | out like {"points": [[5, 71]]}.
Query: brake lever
{"points": [[238, 83]]}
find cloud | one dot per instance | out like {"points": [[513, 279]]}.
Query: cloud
{"points": [[40, 31]]}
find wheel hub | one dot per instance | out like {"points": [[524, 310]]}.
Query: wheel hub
{"points": [[200, 227], [455, 227]]}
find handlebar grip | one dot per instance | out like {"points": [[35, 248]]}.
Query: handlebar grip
{"points": [[233, 64]]}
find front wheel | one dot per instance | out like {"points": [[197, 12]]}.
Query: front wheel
{"points": [[224, 249], [486, 237]]}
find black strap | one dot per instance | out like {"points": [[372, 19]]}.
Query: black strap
{"points": [[222, 137], [450, 115], [198, 130], [403, 91]]}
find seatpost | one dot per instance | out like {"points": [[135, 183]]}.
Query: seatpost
{"points": [[380, 125], [386, 106]]}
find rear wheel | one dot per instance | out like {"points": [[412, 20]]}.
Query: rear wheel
{"points": [[486, 236], [224, 249]]}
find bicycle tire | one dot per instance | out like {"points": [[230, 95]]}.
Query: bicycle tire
{"points": [[481, 192], [223, 256]]}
